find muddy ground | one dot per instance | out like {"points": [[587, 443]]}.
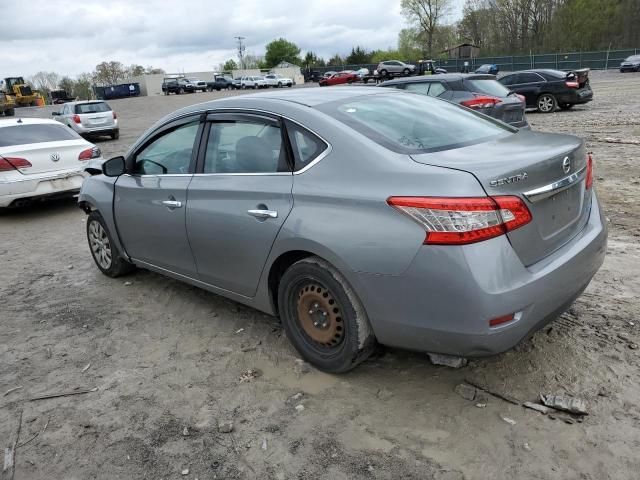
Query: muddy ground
{"points": [[166, 357]]}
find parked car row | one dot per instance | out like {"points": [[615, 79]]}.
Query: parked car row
{"points": [[224, 82]]}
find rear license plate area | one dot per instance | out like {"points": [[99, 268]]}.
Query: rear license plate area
{"points": [[560, 210]]}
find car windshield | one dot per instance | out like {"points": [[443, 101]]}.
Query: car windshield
{"points": [[97, 107], [35, 133], [633, 58], [408, 123], [487, 86]]}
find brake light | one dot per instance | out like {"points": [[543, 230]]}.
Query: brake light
{"points": [[76, 118], [494, 322], [463, 220], [115, 117], [8, 164], [588, 183], [482, 101], [572, 84], [521, 97], [89, 153]]}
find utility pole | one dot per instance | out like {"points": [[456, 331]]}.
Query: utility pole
{"points": [[240, 51]]}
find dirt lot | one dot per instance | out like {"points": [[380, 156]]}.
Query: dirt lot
{"points": [[167, 358]]}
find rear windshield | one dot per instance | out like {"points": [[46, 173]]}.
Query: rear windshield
{"points": [[39, 133], [408, 123], [97, 107], [487, 86]]}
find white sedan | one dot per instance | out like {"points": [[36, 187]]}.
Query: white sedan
{"points": [[41, 158]]}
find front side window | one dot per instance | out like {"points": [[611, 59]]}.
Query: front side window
{"points": [[245, 146], [508, 80], [168, 154]]}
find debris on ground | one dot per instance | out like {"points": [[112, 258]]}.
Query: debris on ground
{"points": [[66, 394], [447, 360], [11, 390], [296, 397], [225, 427], [467, 392], [301, 367], [481, 404], [299, 407], [250, 374], [86, 367], [510, 421], [492, 392], [127, 284], [526, 447], [537, 407], [185, 432], [185, 471], [565, 403], [264, 444], [620, 140], [240, 330]]}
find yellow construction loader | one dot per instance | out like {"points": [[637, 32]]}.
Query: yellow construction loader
{"points": [[21, 93], [6, 105]]}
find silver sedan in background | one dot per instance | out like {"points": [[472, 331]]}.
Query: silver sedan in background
{"points": [[89, 118], [357, 215]]}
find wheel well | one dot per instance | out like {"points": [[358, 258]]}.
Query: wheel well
{"points": [[282, 263], [86, 207]]}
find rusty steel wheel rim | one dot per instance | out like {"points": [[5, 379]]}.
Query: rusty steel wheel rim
{"points": [[320, 315]]}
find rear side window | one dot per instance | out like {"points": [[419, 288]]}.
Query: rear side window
{"points": [[529, 78], [305, 145], [97, 107], [488, 86], [422, 88], [38, 133], [414, 123]]}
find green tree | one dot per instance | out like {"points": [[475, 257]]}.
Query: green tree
{"points": [[336, 60], [67, 84], [312, 60], [135, 70], [358, 55], [154, 71], [229, 65], [281, 50], [426, 15], [108, 73], [383, 55], [410, 44], [82, 87]]}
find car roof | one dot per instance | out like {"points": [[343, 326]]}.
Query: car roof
{"points": [[82, 102], [549, 71], [447, 77], [10, 122]]}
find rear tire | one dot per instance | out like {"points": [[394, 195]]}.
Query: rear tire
{"points": [[546, 103], [406, 72], [566, 106], [108, 258], [115, 135], [322, 316], [383, 73]]}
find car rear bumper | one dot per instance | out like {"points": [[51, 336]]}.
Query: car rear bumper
{"points": [[40, 185], [106, 130], [444, 301], [582, 95]]}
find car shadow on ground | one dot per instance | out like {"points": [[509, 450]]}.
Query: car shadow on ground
{"points": [[40, 208]]}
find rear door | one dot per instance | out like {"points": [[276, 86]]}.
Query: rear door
{"points": [[150, 203], [529, 85], [238, 200]]}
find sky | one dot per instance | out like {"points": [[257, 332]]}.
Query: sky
{"points": [[70, 36]]}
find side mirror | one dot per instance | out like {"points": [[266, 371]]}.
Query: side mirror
{"points": [[114, 167]]}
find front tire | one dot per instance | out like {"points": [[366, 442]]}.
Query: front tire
{"points": [[322, 316], [115, 135], [406, 72], [108, 258], [546, 103], [383, 73]]}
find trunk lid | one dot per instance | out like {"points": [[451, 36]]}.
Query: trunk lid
{"points": [[99, 119], [530, 165], [50, 156]]}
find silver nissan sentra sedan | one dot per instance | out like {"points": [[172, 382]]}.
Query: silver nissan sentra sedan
{"points": [[358, 216]]}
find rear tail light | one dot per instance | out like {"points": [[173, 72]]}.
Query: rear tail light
{"points": [[464, 220], [115, 117], [589, 178], [521, 97], [494, 322], [572, 84], [482, 101], [89, 153], [8, 164], [76, 118]]}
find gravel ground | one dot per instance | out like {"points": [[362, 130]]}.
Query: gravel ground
{"points": [[168, 360]]}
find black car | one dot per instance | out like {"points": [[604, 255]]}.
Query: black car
{"points": [[630, 64], [490, 68], [479, 92], [221, 82], [546, 90]]}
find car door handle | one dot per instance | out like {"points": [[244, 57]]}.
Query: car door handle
{"points": [[172, 203], [263, 213]]}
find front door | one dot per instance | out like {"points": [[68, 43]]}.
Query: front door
{"points": [[150, 202], [238, 200]]}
